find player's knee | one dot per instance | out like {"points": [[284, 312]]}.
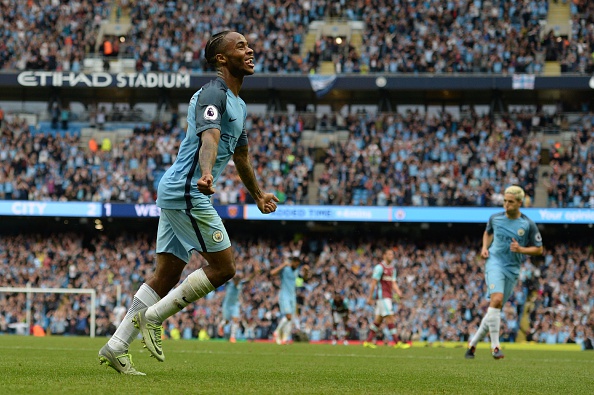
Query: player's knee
{"points": [[496, 301], [221, 267], [226, 272], [167, 280], [163, 283], [163, 279], [167, 274]]}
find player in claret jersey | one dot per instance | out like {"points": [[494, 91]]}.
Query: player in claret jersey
{"points": [[383, 286], [340, 315]]}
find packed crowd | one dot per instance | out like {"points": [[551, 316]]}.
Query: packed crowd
{"points": [[571, 182], [169, 36], [42, 166], [460, 37], [398, 159], [414, 37], [576, 55], [45, 167], [442, 282], [419, 159], [48, 34]]}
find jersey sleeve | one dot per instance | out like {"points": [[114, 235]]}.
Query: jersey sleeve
{"points": [[285, 272], [377, 272], [489, 228], [212, 103], [243, 139], [534, 237]]}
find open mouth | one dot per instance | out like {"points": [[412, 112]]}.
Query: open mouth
{"points": [[250, 62]]}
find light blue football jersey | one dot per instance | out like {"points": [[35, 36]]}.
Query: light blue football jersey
{"points": [[288, 282], [232, 292], [214, 106], [504, 230]]}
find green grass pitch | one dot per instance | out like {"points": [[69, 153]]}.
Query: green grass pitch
{"points": [[69, 365]]}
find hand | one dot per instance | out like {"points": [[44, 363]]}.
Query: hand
{"points": [[485, 253], [205, 184], [267, 203], [514, 246]]}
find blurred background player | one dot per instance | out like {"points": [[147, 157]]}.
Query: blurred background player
{"points": [[231, 302], [249, 328], [287, 297], [508, 235], [383, 285], [340, 315]]}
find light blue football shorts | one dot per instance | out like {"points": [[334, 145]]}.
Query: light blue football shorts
{"points": [[230, 311], [200, 229], [498, 282], [287, 304]]}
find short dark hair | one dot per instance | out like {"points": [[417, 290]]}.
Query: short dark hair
{"points": [[214, 46]]}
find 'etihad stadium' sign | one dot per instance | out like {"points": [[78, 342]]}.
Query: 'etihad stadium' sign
{"points": [[103, 80]]}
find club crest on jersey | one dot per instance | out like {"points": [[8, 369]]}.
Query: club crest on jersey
{"points": [[217, 236], [521, 232], [211, 113], [492, 286]]}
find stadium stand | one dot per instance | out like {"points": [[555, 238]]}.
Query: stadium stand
{"points": [[442, 283], [410, 157], [423, 160], [571, 168], [301, 37]]}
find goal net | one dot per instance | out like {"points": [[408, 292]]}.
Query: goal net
{"points": [[33, 303]]}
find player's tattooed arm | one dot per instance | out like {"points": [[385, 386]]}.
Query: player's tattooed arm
{"points": [[207, 158], [208, 150], [266, 202], [246, 171]]}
